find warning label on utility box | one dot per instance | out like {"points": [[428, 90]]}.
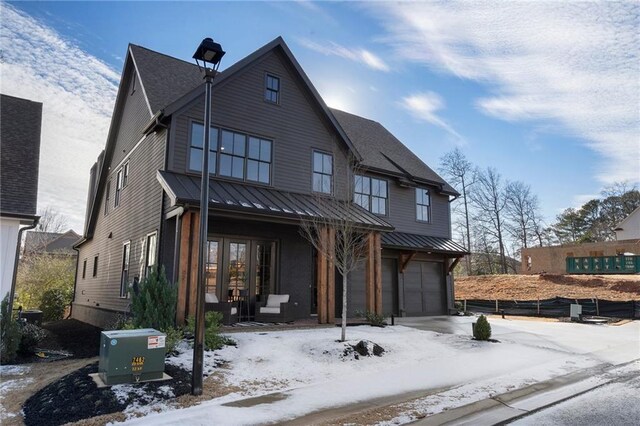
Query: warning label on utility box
{"points": [[155, 342]]}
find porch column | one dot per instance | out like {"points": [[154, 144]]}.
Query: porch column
{"points": [[373, 274], [188, 264], [331, 277], [325, 277]]}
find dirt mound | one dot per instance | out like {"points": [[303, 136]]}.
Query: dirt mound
{"points": [[532, 287]]}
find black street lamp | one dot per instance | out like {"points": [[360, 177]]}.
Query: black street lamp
{"points": [[207, 56]]}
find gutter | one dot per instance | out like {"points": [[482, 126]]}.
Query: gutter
{"points": [[15, 262]]}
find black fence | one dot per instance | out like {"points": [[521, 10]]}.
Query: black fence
{"points": [[557, 307]]}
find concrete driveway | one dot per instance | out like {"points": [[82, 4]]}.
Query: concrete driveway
{"points": [[440, 324]]}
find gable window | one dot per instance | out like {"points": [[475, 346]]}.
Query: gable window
{"points": [[124, 279], [423, 203], [95, 266], [371, 194], [272, 89], [195, 150], [107, 198], [322, 172], [116, 202], [232, 152], [150, 255], [84, 269], [259, 160]]}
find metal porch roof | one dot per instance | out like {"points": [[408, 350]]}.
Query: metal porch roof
{"points": [[263, 201], [416, 242]]}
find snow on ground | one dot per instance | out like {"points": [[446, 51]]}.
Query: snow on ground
{"points": [[308, 366], [10, 379]]}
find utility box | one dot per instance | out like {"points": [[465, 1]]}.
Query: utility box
{"points": [[131, 356], [575, 312]]}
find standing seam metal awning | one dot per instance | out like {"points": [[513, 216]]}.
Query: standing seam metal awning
{"points": [[225, 195], [416, 242]]}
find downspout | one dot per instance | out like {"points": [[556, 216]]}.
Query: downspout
{"points": [[75, 280], [17, 259]]}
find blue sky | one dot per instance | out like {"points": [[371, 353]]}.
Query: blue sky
{"points": [[547, 93]]}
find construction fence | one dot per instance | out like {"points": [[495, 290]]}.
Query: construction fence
{"points": [[556, 307]]}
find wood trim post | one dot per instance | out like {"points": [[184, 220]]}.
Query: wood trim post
{"points": [[370, 274], [193, 276], [377, 251], [331, 277], [322, 278], [183, 268]]}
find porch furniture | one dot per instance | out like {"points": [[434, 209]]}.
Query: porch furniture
{"points": [[276, 308], [229, 310]]}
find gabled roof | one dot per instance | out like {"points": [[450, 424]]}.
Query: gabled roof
{"points": [[50, 242], [621, 225], [383, 152], [263, 201]]}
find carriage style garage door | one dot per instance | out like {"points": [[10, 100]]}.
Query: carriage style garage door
{"points": [[424, 289]]}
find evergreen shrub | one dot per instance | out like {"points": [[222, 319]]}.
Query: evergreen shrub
{"points": [[482, 329]]}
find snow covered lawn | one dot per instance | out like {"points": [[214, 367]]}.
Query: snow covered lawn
{"points": [[310, 369]]}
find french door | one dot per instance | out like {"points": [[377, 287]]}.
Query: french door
{"points": [[243, 270]]}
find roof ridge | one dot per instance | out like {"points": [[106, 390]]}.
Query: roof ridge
{"points": [[162, 54]]}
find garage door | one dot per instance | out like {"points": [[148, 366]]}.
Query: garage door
{"points": [[357, 292], [424, 289]]}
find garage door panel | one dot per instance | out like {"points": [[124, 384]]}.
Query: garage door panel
{"points": [[424, 289]]}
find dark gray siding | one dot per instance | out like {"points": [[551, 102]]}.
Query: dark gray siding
{"points": [[138, 214], [20, 124], [295, 125]]}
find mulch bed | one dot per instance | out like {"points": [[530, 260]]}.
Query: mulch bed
{"points": [[76, 396], [79, 338]]}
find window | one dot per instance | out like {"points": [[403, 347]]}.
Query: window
{"points": [[150, 256], [107, 198], [422, 204], [259, 160], [272, 89], [116, 202], [371, 194], [232, 152], [195, 151], [84, 269], [95, 266], [322, 172], [124, 279], [125, 174]]}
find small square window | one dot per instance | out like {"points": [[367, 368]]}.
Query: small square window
{"points": [[272, 89]]}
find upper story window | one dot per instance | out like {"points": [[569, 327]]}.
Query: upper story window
{"points": [[125, 174], [95, 266], [84, 269], [107, 198], [423, 204], [322, 172], [241, 156], [195, 150], [272, 89], [150, 255], [119, 187], [371, 194]]}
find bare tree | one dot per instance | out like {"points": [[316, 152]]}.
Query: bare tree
{"points": [[337, 237], [521, 210], [490, 202], [462, 175], [52, 220]]}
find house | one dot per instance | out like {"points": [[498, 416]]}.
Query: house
{"points": [[20, 125], [629, 228], [276, 148], [56, 243]]}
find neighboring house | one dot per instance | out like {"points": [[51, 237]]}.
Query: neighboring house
{"points": [[276, 147], [20, 123], [629, 228], [37, 242]]}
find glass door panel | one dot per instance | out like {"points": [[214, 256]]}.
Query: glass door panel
{"points": [[236, 270], [212, 268], [264, 269]]}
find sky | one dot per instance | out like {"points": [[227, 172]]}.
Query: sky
{"points": [[547, 93]]}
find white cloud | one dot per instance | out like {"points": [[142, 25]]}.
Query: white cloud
{"points": [[572, 63], [77, 91], [362, 56], [424, 106]]}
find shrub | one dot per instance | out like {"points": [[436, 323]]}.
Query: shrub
{"points": [[154, 305], [10, 334], [372, 318], [53, 303], [38, 273], [482, 329], [32, 335], [174, 336], [212, 339]]}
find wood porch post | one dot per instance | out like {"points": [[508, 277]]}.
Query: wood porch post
{"points": [[184, 268], [321, 277], [193, 265], [377, 260], [331, 278], [370, 274]]}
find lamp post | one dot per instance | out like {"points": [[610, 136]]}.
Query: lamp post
{"points": [[207, 56]]}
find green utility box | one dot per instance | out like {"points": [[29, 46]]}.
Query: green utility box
{"points": [[131, 356]]}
